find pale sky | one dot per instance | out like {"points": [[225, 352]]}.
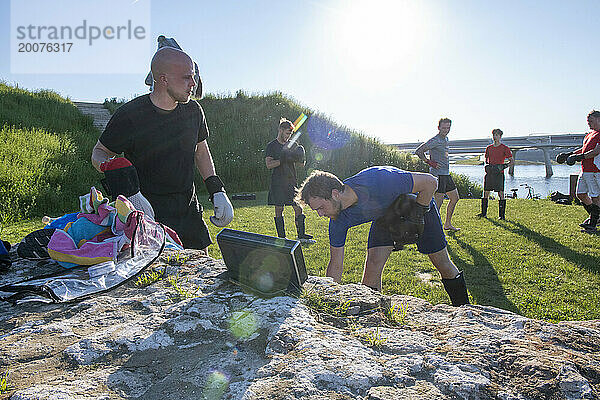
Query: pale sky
{"points": [[389, 69]]}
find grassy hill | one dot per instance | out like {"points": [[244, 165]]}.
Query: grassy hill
{"points": [[45, 147]]}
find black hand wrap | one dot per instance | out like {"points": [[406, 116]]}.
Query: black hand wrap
{"points": [[213, 185], [573, 158], [121, 181], [298, 153], [405, 220], [284, 156], [293, 154], [495, 168], [562, 157]]}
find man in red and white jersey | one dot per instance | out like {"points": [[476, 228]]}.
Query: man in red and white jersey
{"points": [[588, 183]]}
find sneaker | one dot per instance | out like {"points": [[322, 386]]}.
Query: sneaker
{"points": [[588, 227], [35, 245], [585, 223], [306, 239]]}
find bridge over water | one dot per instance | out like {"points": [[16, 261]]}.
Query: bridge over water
{"points": [[541, 141]]}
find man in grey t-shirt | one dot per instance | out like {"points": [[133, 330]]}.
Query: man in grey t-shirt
{"points": [[439, 166]]}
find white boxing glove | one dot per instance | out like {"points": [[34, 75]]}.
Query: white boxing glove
{"points": [[223, 210]]}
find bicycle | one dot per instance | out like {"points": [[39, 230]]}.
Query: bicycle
{"points": [[530, 192]]}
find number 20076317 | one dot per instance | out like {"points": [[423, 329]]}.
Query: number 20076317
{"points": [[44, 47]]}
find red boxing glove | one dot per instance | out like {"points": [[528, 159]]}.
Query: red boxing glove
{"points": [[115, 163], [432, 164]]}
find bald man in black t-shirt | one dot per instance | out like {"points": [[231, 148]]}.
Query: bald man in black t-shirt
{"points": [[163, 134]]}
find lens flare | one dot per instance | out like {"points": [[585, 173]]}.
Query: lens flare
{"points": [[216, 385], [243, 324], [325, 135]]}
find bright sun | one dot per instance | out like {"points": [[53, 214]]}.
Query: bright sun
{"points": [[379, 36]]}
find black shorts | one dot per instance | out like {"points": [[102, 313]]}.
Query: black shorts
{"points": [[445, 184], [282, 193], [431, 241], [493, 182], [183, 213]]}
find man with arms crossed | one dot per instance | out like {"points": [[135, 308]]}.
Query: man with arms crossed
{"points": [[365, 197], [495, 154], [281, 159], [163, 134], [439, 166]]}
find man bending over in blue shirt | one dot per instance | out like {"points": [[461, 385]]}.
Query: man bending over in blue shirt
{"points": [[367, 197]]}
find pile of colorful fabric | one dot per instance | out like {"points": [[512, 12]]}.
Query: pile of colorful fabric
{"points": [[97, 234]]}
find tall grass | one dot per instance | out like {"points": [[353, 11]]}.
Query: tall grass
{"points": [[45, 146]]}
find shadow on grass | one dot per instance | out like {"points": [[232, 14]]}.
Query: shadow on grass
{"points": [[590, 263], [482, 281]]}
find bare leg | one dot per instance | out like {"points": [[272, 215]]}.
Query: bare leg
{"points": [[501, 195], [441, 261], [334, 272], [453, 196], [439, 199], [374, 263], [585, 199]]}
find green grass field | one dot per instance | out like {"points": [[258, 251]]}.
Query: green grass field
{"points": [[536, 263]]}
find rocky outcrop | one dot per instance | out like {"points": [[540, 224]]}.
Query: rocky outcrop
{"points": [[192, 335]]}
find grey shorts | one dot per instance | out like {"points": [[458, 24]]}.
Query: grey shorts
{"points": [[445, 184]]}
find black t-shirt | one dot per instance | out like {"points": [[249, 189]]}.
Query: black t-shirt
{"points": [[160, 144], [286, 172]]}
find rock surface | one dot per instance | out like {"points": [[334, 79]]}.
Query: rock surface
{"points": [[209, 340]]}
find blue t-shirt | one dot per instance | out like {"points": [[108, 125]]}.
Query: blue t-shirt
{"points": [[376, 188]]}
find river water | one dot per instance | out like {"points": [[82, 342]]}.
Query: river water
{"points": [[532, 175]]}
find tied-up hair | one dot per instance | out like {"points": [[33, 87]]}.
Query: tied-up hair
{"points": [[318, 184], [285, 123]]}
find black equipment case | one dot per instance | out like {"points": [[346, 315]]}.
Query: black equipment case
{"points": [[264, 264]]}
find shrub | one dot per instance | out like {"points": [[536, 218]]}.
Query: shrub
{"points": [[45, 147]]}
